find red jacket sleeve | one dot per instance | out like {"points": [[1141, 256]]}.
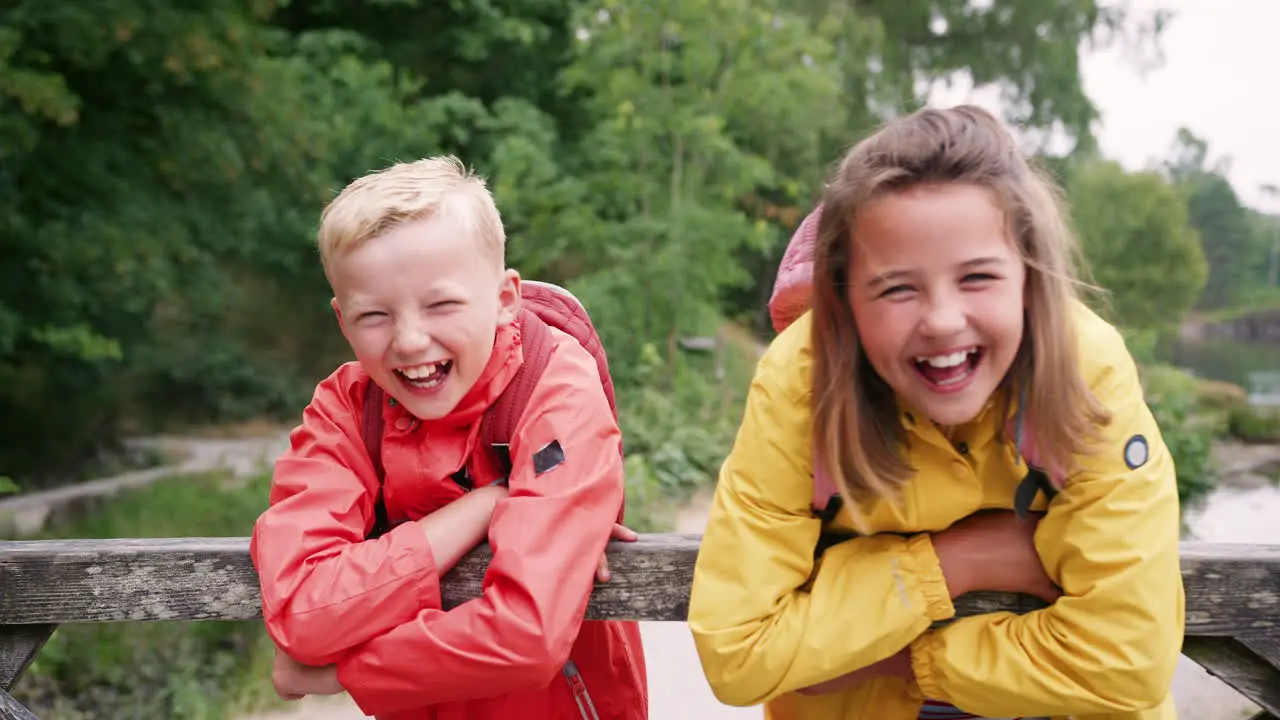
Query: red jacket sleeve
{"points": [[315, 567], [546, 536]]}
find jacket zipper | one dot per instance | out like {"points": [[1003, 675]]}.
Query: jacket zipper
{"points": [[578, 688]]}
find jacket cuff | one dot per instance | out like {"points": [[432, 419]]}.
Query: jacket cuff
{"points": [[922, 565], [924, 652], [409, 539]]}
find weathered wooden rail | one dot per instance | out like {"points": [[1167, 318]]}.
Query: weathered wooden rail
{"points": [[1232, 613]]}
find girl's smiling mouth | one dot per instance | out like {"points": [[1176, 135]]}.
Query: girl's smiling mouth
{"points": [[949, 371]]}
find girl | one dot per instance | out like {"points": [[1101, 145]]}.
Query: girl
{"points": [[944, 335]]}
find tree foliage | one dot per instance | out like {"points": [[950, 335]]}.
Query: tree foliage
{"points": [[163, 165], [1134, 231]]}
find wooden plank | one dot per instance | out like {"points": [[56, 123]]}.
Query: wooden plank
{"points": [[18, 647], [1267, 648], [1236, 665], [1232, 590], [11, 709]]}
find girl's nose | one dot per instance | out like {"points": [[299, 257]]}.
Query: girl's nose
{"points": [[942, 318]]}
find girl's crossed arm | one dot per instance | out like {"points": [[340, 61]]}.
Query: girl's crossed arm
{"points": [[760, 627], [1110, 541]]}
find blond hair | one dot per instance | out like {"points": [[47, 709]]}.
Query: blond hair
{"points": [[857, 430], [381, 201]]}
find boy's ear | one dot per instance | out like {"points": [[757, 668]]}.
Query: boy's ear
{"points": [[508, 297], [337, 310]]}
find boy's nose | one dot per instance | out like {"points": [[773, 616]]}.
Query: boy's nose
{"points": [[411, 340]]}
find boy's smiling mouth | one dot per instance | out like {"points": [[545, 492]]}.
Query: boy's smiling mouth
{"points": [[949, 371], [425, 376]]}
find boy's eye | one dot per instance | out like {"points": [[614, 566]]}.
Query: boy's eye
{"points": [[371, 315], [445, 304]]}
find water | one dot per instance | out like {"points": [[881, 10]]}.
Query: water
{"points": [[1223, 359], [1241, 510]]}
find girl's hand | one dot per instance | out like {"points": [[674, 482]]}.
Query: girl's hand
{"points": [[994, 551], [624, 534], [293, 680]]}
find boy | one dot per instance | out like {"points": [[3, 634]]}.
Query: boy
{"points": [[415, 257]]}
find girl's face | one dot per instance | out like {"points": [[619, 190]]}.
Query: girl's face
{"points": [[936, 288]]}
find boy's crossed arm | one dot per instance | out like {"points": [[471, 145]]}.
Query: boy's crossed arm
{"points": [[466, 517], [547, 537]]}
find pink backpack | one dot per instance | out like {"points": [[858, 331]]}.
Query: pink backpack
{"points": [[792, 291]]}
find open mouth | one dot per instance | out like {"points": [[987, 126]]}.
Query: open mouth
{"points": [[425, 376], [949, 370]]}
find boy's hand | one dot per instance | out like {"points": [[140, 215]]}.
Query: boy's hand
{"points": [[994, 551], [293, 680], [619, 533]]}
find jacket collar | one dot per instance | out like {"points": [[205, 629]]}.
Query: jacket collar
{"points": [[982, 429], [505, 359]]}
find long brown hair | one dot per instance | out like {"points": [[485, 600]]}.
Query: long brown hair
{"points": [[856, 424]]}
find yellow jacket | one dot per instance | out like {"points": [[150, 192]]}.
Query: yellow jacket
{"points": [[768, 620]]}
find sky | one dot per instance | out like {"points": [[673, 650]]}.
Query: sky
{"points": [[1220, 77]]}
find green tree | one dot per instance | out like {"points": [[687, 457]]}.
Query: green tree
{"points": [[126, 145], [1236, 251], [1138, 243]]}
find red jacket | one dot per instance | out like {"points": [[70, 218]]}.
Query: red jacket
{"points": [[373, 607]]}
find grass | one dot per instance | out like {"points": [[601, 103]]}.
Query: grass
{"points": [[179, 670]]}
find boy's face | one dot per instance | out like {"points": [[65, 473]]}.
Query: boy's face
{"points": [[420, 306]]}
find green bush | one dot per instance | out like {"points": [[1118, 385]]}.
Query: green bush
{"points": [[1172, 396], [1253, 425], [677, 429]]}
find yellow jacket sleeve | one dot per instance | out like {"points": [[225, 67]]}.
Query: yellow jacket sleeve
{"points": [[760, 626], [1109, 645]]}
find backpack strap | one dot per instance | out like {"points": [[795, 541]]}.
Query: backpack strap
{"points": [[496, 426], [371, 432], [499, 421], [1036, 480], [826, 496], [543, 306], [558, 308], [827, 501]]}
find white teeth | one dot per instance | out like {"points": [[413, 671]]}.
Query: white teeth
{"points": [[420, 372], [945, 361]]}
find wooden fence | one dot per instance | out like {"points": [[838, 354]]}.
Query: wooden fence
{"points": [[1232, 628]]}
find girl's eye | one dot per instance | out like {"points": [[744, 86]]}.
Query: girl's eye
{"points": [[896, 290], [979, 277], [445, 304]]}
